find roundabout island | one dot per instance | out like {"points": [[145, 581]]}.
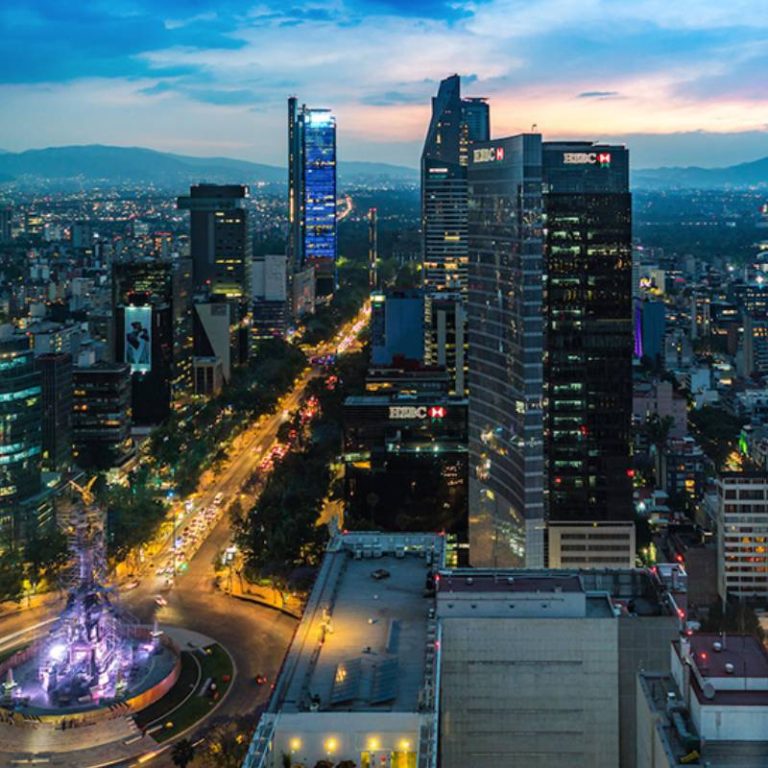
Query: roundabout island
{"points": [[99, 688]]}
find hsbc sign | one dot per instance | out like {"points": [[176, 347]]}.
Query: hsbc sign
{"points": [[488, 154], [417, 412], [603, 159]]}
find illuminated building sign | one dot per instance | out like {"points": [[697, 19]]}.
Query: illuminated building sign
{"points": [[603, 159], [417, 412], [138, 339], [488, 154]]}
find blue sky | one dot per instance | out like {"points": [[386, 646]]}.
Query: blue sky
{"points": [[682, 81]]}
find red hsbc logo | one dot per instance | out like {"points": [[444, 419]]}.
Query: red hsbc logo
{"points": [[417, 412], [488, 154]]}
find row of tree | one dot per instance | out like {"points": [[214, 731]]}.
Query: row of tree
{"points": [[279, 536]]}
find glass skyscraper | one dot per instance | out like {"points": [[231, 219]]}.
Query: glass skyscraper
{"points": [[550, 354], [456, 123], [20, 430], [588, 354], [505, 324], [312, 191]]}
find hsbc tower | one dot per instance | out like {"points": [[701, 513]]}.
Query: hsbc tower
{"points": [[550, 351]]}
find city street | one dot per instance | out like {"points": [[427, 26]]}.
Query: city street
{"points": [[256, 636]]}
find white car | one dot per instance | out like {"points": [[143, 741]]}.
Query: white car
{"points": [[161, 601], [218, 498]]}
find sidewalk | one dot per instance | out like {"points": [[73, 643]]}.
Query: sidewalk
{"points": [[265, 596]]}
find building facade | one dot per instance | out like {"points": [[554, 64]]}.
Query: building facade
{"points": [[101, 415], [742, 534], [56, 380], [312, 192], [588, 346], [20, 429], [456, 123], [397, 326], [445, 337], [504, 318], [219, 238]]}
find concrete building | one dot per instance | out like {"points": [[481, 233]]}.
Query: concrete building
{"points": [[742, 534], [538, 668], [398, 659], [360, 680], [711, 710]]}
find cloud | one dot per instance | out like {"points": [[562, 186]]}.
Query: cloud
{"points": [[223, 68], [598, 95]]}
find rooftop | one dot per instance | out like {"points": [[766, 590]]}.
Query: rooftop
{"points": [[745, 653], [364, 639]]}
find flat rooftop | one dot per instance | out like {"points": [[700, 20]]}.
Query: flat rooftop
{"points": [[363, 643], [746, 653]]}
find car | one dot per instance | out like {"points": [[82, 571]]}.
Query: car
{"points": [[161, 601], [218, 498], [380, 573]]}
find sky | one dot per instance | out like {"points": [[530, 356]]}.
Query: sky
{"points": [[683, 82]]}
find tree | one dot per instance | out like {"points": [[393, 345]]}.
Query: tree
{"points": [[182, 753], [11, 576], [45, 555]]}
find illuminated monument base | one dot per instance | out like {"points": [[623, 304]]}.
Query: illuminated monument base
{"points": [[95, 657]]}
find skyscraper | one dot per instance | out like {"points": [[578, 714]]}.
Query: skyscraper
{"points": [[588, 354], [56, 373], [219, 239], [506, 474], [152, 334], [220, 245], [20, 429], [312, 192], [456, 123]]}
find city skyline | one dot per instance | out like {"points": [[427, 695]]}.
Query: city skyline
{"points": [[681, 84]]}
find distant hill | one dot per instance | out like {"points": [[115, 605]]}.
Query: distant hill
{"points": [[105, 165], [752, 174]]}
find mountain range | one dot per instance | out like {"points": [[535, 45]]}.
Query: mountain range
{"points": [[97, 164], [751, 174]]}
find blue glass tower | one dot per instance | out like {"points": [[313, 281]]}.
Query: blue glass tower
{"points": [[312, 190]]}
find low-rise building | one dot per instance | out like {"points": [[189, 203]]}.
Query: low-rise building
{"points": [[711, 709]]}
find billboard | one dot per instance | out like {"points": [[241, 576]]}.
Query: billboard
{"points": [[138, 339]]}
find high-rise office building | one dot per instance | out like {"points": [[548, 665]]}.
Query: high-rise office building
{"points": [[56, 373], [101, 413], [142, 293], [506, 473], [20, 429], [312, 192], [445, 346], [588, 354], [220, 244], [456, 124]]}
